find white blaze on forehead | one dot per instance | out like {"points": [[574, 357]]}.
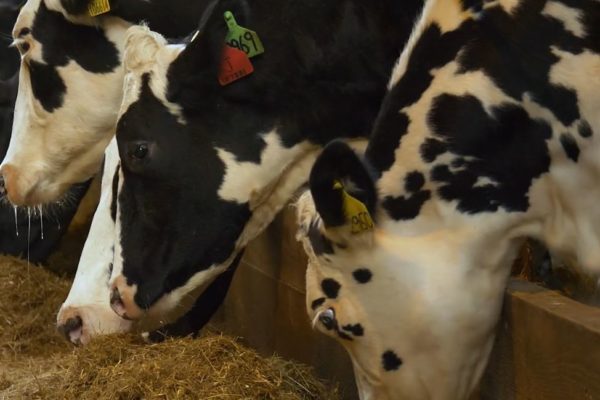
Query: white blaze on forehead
{"points": [[570, 17]]}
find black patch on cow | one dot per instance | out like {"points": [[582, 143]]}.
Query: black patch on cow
{"points": [[431, 149], [406, 207], [392, 128], [570, 146], [319, 243], [585, 130], [362, 275], [414, 181], [516, 52], [47, 85], [432, 50], [115, 192], [317, 303], [391, 362], [355, 329], [62, 41], [507, 147], [330, 287]]}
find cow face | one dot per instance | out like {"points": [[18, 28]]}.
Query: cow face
{"points": [[155, 275], [70, 87], [416, 312]]}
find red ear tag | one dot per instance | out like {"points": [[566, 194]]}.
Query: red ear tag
{"points": [[234, 65]]}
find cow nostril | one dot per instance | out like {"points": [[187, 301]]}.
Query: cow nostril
{"points": [[115, 297], [72, 329]]}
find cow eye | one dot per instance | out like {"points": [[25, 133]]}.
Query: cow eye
{"points": [[327, 318], [23, 47], [138, 151]]}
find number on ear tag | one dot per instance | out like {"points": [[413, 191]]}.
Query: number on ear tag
{"points": [[356, 211], [242, 38], [234, 65], [98, 7]]}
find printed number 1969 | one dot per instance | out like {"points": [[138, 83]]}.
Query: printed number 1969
{"points": [[239, 43]]}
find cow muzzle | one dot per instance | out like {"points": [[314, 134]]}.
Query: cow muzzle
{"points": [[18, 188], [122, 300]]}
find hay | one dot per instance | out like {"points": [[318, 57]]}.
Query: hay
{"points": [[29, 299], [35, 363]]}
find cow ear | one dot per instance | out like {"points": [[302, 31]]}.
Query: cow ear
{"points": [[141, 47], [342, 189], [194, 73]]}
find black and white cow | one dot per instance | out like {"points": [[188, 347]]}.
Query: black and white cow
{"points": [[205, 167], [70, 88], [27, 233], [86, 313], [489, 135]]}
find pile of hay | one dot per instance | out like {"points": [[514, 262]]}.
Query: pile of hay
{"points": [[35, 363]]}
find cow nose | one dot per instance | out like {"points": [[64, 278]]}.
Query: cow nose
{"points": [[116, 303], [72, 330], [9, 181]]}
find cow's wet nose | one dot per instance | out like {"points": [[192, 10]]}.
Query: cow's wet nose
{"points": [[72, 329], [10, 178]]}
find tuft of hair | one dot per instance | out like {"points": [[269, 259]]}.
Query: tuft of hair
{"points": [[141, 47]]}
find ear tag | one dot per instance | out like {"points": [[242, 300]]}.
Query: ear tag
{"points": [[242, 38], [356, 211], [98, 7], [234, 65]]}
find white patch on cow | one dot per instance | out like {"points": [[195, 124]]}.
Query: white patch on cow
{"points": [[89, 294], [244, 181], [580, 72], [570, 17]]}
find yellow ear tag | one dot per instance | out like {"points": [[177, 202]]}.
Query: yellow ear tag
{"points": [[356, 212], [98, 7]]}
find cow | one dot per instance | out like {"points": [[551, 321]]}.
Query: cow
{"points": [[205, 167], [70, 88], [488, 135], [86, 312], [25, 233]]}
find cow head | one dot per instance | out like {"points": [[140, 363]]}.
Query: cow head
{"points": [[70, 88], [416, 312], [162, 80]]}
